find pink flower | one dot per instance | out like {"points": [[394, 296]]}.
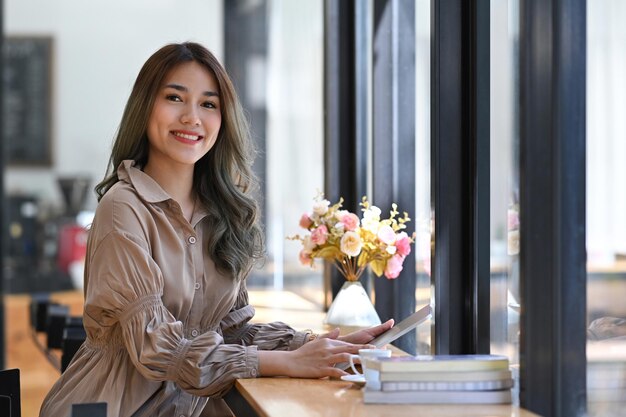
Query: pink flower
{"points": [[319, 235], [387, 235], [426, 264], [305, 257], [403, 244], [394, 266], [512, 219], [349, 220], [305, 221]]}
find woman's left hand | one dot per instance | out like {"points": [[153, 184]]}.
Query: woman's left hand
{"points": [[361, 336]]}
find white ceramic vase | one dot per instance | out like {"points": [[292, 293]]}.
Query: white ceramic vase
{"points": [[352, 307]]}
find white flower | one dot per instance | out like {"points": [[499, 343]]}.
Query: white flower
{"points": [[391, 250], [372, 213], [513, 242], [321, 207], [371, 219], [387, 235], [351, 244], [308, 244]]}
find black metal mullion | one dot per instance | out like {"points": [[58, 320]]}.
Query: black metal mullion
{"points": [[394, 143], [3, 220], [480, 183], [552, 207], [451, 259], [345, 117]]}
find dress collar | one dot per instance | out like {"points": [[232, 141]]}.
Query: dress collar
{"points": [[149, 190]]}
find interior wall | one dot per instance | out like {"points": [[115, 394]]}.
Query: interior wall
{"points": [[98, 49]]}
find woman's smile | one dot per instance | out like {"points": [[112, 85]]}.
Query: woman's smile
{"points": [[186, 137]]}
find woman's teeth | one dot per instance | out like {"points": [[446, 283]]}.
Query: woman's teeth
{"points": [[186, 136]]}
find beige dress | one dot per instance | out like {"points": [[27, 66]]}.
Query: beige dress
{"points": [[167, 334]]}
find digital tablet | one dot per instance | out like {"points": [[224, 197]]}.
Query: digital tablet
{"points": [[402, 328], [398, 330]]}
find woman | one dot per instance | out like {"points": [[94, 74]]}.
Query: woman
{"points": [[174, 237]]}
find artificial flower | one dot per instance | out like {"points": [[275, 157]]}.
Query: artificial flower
{"points": [[353, 244]]}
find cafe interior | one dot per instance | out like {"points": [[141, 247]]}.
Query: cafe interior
{"points": [[496, 125]]}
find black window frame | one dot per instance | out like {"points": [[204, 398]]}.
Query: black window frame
{"points": [[552, 189], [2, 198], [552, 207]]}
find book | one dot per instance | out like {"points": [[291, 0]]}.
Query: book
{"points": [[439, 363], [490, 385], [437, 397], [446, 376]]}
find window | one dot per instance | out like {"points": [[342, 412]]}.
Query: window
{"points": [[422, 219], [606, 203], [295, 137], [504, 179]]}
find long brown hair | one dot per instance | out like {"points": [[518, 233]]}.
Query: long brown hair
{"points": [[223, 178]]}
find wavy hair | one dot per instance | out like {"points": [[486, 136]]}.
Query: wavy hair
{"points": [[223, 178]]}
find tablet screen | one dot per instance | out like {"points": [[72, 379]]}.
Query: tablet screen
{"points": [[402, 328], [399, 329]]}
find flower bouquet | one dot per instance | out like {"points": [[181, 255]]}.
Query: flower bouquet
{"points": [[351, 245]]}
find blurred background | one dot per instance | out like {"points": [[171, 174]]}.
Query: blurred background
{"points": [[69, 66]]}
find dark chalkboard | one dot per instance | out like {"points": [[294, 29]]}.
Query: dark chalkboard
{"points": [[27, 100]]}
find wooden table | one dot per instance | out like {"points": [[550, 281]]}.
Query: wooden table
{"points": [[286, 397], [279, 397]]}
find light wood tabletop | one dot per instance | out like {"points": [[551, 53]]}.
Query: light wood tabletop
{"points": [[278, 397]]}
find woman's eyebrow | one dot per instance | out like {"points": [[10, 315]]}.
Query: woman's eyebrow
{"points": [[182, 88]]}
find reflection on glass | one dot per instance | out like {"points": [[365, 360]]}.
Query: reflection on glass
{"points": [[504, 178], [423, 224], [606, 204]]}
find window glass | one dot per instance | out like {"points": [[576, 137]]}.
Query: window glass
{"points": [[294, 139], [504, 179], [606, 204], [422, 217]]}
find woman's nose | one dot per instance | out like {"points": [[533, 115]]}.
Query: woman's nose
{"points": [[190, 116]]}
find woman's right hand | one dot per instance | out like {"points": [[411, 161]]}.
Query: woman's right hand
{"points": [[315, 359]]}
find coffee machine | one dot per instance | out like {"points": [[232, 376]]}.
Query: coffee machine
{"points": [[72, 228]]}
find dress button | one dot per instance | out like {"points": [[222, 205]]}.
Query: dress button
{"points": [[194, 333], [253, 372], [192, 239], [197, 286]]}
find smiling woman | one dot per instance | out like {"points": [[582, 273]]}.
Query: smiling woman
{"points": [[172, 242]]}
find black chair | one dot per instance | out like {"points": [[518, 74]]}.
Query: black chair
{"points": [[10, 404], [73, 337], [56, 319], [39, 311], [89, 410]]}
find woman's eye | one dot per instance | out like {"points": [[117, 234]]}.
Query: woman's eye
{"points": [[173, 97], [209, 105]]}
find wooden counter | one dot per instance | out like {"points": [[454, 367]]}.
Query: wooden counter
{"points": [[278, 397]]}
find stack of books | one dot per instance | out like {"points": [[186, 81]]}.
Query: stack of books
{"points": [[441, 379]]}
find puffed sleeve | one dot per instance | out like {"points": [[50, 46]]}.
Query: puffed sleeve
{"points": [[125, 287], [271, 336]]}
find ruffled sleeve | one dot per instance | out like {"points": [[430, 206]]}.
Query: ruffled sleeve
{"points": [[125, 286], [271, 336]]}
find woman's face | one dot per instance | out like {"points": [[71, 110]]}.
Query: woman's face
{"points": [[185, 118]]}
